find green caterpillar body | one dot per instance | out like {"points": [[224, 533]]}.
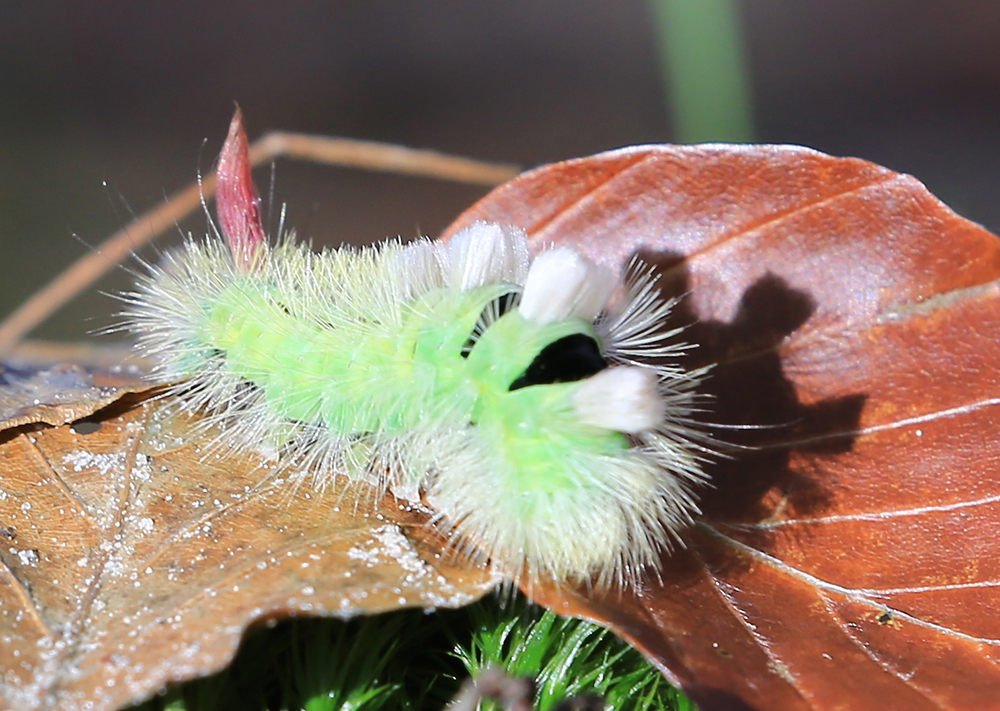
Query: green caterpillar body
{"points": [[392, 364], [533, 401]]}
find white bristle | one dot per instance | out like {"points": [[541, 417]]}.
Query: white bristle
{"points": [[484, 253], [561, 284], [422, 266], [623, 399]]}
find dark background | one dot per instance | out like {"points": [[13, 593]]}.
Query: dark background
{"points": [[138, 95]]}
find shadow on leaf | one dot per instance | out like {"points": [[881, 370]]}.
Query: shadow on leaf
{"points": [[759, 416]]}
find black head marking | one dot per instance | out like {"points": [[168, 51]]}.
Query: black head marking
{"points": [[566, 360]]}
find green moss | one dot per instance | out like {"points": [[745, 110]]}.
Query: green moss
{"points": [[411, 660]]}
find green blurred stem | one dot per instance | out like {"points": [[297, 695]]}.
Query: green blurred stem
{"points": [[707, 78]]}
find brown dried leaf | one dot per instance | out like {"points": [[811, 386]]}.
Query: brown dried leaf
{"points": [[126, 561], [850, 558], [59, 394]]}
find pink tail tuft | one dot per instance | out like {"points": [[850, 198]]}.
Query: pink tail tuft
{"points": [[237, 201]]}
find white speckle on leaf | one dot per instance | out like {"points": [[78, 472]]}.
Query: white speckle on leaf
{"points": [[28, 557], [104, 463], [142, 470]]}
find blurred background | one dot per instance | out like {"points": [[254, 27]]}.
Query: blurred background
{"points": [[106, 106]]}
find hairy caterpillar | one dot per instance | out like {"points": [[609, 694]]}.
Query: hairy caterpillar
{"points": [[532, 410]]}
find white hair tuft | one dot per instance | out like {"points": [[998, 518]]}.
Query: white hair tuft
{"points": [[561, 284], [483, 253], [624, 399]]}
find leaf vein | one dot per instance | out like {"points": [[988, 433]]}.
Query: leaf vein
{"points": [[868, 516], [861, 595]]}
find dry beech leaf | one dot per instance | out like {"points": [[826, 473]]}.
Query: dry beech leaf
{"points": [[850, 557], [128, 560], [60, 393]]}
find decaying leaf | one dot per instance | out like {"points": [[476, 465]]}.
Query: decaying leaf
{"points": [[848, 556], [60, 393], [128, 559]]}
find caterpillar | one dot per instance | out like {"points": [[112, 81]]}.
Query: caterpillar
{"points": [[532, 400]]}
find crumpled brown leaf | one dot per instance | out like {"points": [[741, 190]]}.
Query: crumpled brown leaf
{"points": [[848, 556], [128, 559]]}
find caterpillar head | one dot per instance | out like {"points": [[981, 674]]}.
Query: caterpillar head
{"points": [[551, 338], [564, 287], [579, 468]]}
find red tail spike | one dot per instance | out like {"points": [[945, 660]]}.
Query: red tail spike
{"points": [[237, 202]]}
